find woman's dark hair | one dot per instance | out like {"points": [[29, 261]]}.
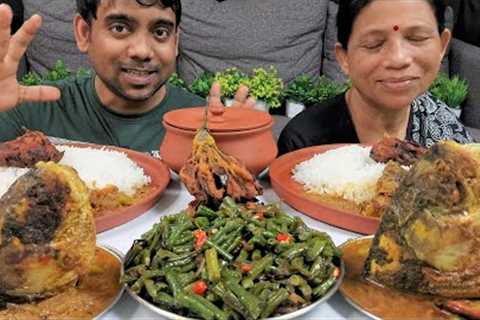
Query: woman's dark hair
{"points": [[348, 11], [88, 8]]}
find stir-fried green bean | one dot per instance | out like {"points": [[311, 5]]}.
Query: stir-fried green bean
{"points": [[242, 261]]}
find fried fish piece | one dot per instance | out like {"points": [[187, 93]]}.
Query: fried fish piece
{"points": [[429, 237], [401, 151], [27, 150], [47, 233]]}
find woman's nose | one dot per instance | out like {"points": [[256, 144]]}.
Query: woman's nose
{"points": [[398, 54], [140, 48]]}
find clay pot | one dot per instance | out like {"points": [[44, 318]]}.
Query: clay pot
{"points": [[243, 133]]}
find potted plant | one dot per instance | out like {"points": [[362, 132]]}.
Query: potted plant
{"points": [[452, 91], [202, 84], [305, 91], [59, 72], [325, 88], [230, 80], [176, 81], [267, 87], [299, 94]]}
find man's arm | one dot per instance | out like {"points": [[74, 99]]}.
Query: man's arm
{"points": [[12, 49]]}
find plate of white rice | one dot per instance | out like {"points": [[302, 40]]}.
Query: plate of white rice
{"points": [[100, 167], [343, 171]]}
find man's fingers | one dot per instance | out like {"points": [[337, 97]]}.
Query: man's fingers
{"points": [[250, 103], [5, 21], [215, 90], [241, 94], [37, 93], [22, 38]]}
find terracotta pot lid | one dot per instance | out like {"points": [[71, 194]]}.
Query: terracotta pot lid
{"points": [[219, 119]]}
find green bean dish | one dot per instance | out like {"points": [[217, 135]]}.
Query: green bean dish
{"points": [[243, 261]]}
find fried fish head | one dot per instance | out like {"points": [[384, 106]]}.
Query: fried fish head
{"points": [[429, 238], [47, 238]]}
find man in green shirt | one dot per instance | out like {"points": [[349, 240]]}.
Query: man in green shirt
{"points": [[132, 46]]}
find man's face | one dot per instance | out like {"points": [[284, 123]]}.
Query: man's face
{"points": [[394, 52], [133, 50]]}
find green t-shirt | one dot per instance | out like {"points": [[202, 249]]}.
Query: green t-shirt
{"points": [[80, 116]]}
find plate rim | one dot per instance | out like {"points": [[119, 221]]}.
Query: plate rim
{"points": [[350, 301], [123, 215], [318, 210], [119, 256]]}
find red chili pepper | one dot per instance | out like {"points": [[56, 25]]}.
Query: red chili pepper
{"points": [[245, 267], [336, 272], [199, 287], [260, 214], [283, 237], [200, 238]]}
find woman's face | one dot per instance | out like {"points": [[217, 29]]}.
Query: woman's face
{"points": [[394, 52]]}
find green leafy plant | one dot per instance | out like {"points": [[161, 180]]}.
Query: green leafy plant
{"points": [[325, 88], [266, 85], [452, 91], [176, 81], [202, 84], [230, 79], [59, 72], [301, 89], [309, 91]]}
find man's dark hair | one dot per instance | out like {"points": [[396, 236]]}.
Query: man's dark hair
{"points": [[348, 11], [88, 8]]}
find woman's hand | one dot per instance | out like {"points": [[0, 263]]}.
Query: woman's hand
{"points": [[12, 49], [241, 98]]}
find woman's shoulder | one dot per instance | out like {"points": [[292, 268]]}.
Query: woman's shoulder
{"points": [[433, 121]]}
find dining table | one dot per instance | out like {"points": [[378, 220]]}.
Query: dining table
{"points": [[176, 198]]}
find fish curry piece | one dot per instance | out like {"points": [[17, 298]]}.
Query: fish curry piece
{"points": [[429, 238], [47, 238], [401, 151], [27, 150], [210, 175]]}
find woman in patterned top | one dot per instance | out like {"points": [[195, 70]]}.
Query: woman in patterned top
{"points": [[391, 51]]}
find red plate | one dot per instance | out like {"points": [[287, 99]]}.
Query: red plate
{"points": [[293, 193], [160, 177]]}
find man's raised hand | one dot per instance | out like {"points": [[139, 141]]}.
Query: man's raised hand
{"points": [[12, 49]]}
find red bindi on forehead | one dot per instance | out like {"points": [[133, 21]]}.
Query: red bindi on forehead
{"points": [[396, 28]]}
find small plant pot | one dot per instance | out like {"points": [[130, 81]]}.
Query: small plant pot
{"points": [[261, 105], [456, 111], [228, 102], [294, 108]]}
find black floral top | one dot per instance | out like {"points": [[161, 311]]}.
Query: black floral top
{"points": [[330, 122], [431, 121]]}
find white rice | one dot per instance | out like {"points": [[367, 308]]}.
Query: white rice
{"points": [[347, 172], [98, 168]]}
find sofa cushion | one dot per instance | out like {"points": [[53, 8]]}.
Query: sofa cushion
{"points": [[330, 67], [465, 62], [251, 33]]}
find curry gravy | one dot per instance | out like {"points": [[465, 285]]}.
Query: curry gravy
{"points": [[335, 202], [380, 301], [94, 292]]}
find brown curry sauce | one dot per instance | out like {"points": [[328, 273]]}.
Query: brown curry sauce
{"points": [[383, 302], [93, 293]]}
